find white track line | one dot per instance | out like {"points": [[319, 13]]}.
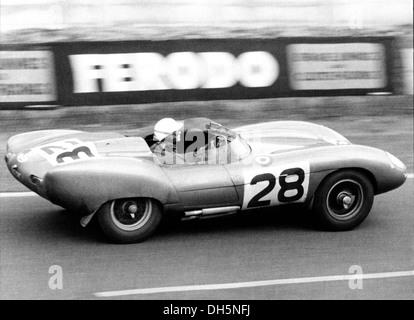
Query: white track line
{"points": [[252, 284], [18, 194]]}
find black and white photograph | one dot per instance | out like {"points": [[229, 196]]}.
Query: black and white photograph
{"points": [[206, 155]]}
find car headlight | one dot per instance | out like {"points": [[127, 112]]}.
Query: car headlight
{"points": [[8, 155], [395, 162]]}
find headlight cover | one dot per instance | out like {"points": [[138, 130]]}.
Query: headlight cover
{"points": [[395, 162]]}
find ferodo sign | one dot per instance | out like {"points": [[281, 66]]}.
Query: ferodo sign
{"points": [[130, 72], [147, 71]]}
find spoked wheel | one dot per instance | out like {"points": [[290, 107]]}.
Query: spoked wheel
{"points": [[343, 200], [130, 220]]}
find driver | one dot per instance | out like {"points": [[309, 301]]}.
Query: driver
{"points": [[167, 132]]}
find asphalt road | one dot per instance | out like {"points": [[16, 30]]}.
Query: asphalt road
{"points": [[262, 245]]}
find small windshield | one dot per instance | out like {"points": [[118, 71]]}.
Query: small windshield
{"points": [[239, 149], [215, 128], [228, 142], [208, 143]]}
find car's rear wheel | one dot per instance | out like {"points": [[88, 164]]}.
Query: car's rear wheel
{"points": [[130, 220], [343, 200]]}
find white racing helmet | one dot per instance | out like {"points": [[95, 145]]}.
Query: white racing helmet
{"points": [[165, 127]]}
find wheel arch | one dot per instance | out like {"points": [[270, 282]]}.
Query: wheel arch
{"points": [[326, 174], [364, 171], [90, 184]]}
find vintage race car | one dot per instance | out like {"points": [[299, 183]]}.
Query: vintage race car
{"points": [[212, 171]]}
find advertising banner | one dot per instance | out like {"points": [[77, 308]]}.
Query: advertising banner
{"points": [[210, 69], [326, 66], [146, 71], [27, 76], [156, 71], [134, 72]]}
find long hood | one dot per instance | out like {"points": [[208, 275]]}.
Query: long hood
{"points": [[31, 155], [281, 136], [51, 143]]}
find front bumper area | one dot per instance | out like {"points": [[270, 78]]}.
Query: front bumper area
{"points": [[20, 170]]}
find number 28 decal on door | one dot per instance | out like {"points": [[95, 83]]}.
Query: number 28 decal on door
{"points": [[273, 185]]}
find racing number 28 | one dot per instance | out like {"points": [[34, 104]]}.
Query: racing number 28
{"points": [[285, 186]]}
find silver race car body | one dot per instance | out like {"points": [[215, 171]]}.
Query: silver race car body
{"points": [[214, 171]]}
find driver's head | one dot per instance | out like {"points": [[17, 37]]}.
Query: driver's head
{"points": [[167, 127]]}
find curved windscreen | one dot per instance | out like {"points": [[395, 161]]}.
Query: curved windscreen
{"points": [[224, 140]]}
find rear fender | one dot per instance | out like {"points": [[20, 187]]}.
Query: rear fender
{"points": [[87, 184]]}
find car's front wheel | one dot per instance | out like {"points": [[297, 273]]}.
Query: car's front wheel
{"points": [[343, 200], [130, 220]]}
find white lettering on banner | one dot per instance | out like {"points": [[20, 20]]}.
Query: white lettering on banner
{"points": [[89, 64], [336, 66], [183, 70], [26, 76], [258, 69], [179, 70], [219, 70], [150, 76]]}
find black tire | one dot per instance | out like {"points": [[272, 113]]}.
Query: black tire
{"points": [[130, 220], [343, 200]]}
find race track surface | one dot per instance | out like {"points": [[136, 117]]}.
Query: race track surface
{"points": [[262, 245]]}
